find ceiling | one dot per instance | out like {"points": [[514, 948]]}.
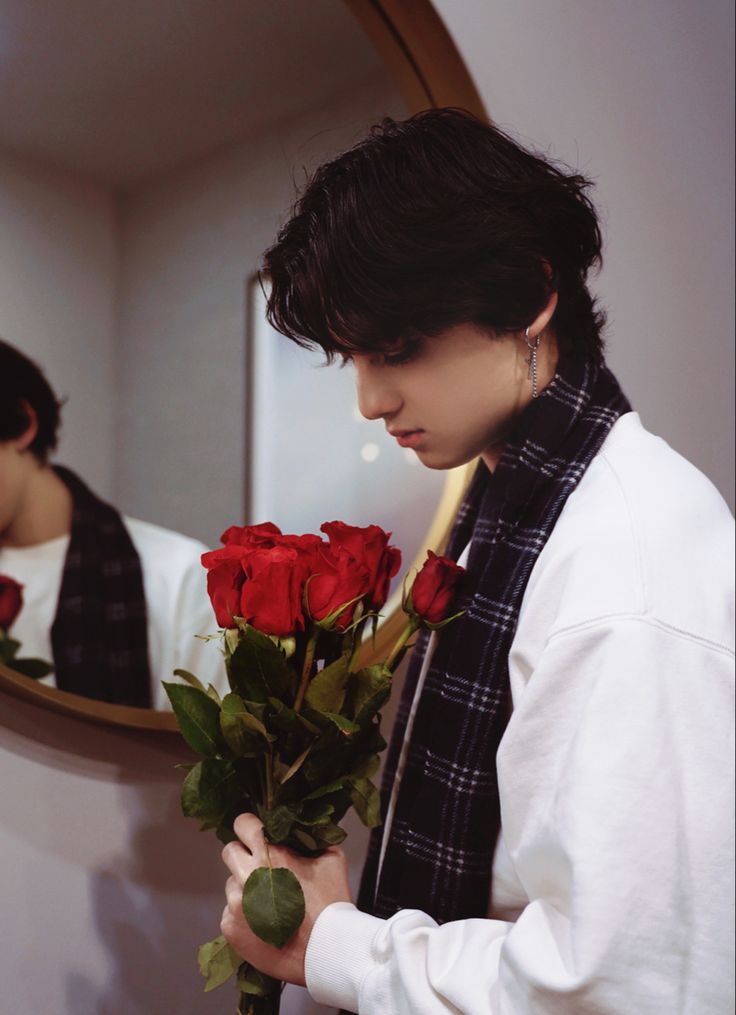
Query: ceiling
{"points": [[120, 90]]}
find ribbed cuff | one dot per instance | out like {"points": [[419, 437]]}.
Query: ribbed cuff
{"points": [[339, 954]]}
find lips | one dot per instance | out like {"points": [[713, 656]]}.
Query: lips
{"points": [[407, 438]]}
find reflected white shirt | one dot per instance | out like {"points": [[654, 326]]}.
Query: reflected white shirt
{"points": [[175, 586]]}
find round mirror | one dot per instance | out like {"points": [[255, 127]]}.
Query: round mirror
{"points": [[150, 153]]}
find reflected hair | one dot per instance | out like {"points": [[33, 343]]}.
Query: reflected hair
{"points": [[429, 222], [22, 381]]}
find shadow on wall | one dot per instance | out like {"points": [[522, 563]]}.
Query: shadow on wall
{"points": [[152, 904]]}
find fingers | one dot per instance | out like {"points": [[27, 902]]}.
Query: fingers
{"points": [[234, 894], [249, 829], [242, 858]]}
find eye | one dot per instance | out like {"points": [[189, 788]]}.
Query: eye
{"points": [[408, 352]]}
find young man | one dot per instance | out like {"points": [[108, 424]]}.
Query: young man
{"points": [[558, 794], [114, 602]]}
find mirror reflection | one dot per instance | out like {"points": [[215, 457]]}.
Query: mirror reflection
{"points": [[146, 162]]}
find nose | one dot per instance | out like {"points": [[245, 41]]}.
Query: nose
{"points": [[378, 396]]}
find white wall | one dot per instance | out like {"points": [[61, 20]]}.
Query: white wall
{"points": [[189, 242], [58, 265], [640, 97]]}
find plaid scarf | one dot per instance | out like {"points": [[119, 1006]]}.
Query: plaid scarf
{"points": [[99, 636], [439, 853]]}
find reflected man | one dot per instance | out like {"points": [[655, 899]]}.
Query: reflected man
{"points": [[115, 602]]}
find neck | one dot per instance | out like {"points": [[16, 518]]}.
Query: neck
{"points": [[44, 510], [548, 356]]}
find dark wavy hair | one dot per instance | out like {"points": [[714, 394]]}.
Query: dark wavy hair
{"points": [[21, 380], [437, 220]]}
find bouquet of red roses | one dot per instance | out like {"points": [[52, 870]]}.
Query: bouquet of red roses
{"points": [[297, 739], [11, 603]]}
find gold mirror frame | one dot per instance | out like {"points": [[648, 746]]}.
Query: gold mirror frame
{"points": [[421, 57]]}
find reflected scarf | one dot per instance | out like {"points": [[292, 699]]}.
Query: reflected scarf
{"points": [[99, 636], [440, 848]]}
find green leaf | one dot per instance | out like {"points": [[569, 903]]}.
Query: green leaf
{"points": [[258, 668], [253, 981], [273, 904], [217, 961], [198, 717], [277, 823], [330, 835], [317, 814], [366, 800], [256, 708], [243, 733], [306, 839], [209, 790], [367, 690], [283, 717], [8, 647], [190, 679], [296, 765], [326, 691], [331, 787], [35, 668], [366, 768], [342, 722]]}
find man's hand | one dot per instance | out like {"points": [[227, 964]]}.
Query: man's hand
{"points": [[323, 880]]}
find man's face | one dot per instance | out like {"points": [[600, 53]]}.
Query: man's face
{"points": [[457, 395]]}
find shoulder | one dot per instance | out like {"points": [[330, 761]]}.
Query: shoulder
{"points": [[164, 550], [646, 534]]}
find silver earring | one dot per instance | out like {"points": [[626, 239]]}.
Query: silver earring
{"points": [[532, 361]]}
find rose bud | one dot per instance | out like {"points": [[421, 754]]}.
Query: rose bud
{"points": [[11, 601], [434, 589]]}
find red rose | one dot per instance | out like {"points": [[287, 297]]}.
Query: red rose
{"points": [[367, 546], [225, 577], [271, 597], [339, 578], [434, 588], [225, 574], [11, 601], [266, 534], [227, 567]]}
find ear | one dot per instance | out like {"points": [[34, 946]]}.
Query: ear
{"points": [[542, 319], [24, 440]]}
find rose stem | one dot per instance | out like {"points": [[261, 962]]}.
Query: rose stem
{"points": [[413, 625], [307, 669]]}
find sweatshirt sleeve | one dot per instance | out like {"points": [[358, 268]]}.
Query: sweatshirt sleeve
{"points": [[616, 784]]}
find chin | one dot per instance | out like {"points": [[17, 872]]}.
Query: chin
{"points": [[443, 463]]}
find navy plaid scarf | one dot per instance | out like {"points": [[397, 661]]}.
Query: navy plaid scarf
{"points": [[99, 636], [440, 848]]}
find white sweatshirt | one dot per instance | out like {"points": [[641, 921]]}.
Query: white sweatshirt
{"points": [[613, 876], [175, 587]]}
